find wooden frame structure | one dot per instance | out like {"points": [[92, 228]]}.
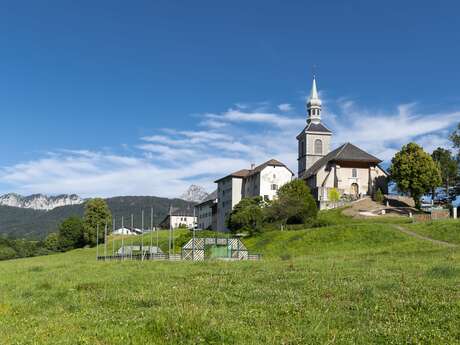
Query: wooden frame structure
{"points": [[195, 249]]}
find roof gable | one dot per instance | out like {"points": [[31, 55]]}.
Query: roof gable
{"points": [[350, 152], [243, 173], [271, 162], [344, 153]]}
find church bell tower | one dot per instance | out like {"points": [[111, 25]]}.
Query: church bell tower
{"points": [[315, 139]]}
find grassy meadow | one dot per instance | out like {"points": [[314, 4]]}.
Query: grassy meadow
{"points": [[347, 282], [445, 230]]}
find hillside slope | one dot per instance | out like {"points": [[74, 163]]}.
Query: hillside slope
{"points": [[36, 224], [360, 283]]}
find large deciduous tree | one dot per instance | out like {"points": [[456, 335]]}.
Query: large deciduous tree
{"points": [[447, 165], [294, 204], [455, 138], [414, 171], [247, 216], [97, 213], [71, 234]]}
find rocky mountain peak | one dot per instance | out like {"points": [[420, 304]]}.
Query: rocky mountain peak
{"points": [[194, 193], [39, 201]]}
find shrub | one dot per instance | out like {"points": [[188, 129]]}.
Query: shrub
{"points": [[52, 242], [378, 196], [333, 195]]}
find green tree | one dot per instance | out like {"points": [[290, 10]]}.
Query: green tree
{"points": [[294, 204], [7, 253], [446, 164], [97, 213], [455, 138], [378, 196], [414, 171], [71, 233], [52, 242], [247, 216], [333, 195]]}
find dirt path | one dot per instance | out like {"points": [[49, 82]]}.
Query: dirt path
{"points": [[414, 234]]}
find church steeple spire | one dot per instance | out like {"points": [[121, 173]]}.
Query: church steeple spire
{"points": [[314, 105]]}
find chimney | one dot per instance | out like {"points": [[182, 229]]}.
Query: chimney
{"points": [[253, 166]]}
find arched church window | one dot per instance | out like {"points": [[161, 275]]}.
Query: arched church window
{"points": [[318, 147]]}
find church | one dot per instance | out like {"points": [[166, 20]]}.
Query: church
{"points": [[350, 170]]}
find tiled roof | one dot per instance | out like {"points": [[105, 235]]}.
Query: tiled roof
{"points": [[346, 152], [245, 172], [269, 163]]}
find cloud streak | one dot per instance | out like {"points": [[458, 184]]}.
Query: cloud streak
{"points": [[165, 164]]}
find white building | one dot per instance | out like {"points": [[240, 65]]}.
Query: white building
{"points": [[263, 180], [127, 231], [206, 212], [348, 169], [179, 219]]}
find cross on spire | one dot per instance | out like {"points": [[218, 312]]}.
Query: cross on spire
{"points": [[314, 68], [314, 104]]}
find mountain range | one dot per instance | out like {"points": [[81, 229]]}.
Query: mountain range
{"points": [[39, 201], [37, 215], [44, 202]]}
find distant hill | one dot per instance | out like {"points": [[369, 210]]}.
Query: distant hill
{"points": [[30, 223]]}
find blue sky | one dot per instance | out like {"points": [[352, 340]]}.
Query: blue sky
{"points": [[146, 97]]}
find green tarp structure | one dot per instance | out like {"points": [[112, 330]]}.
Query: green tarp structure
{"points": [[220, 252]]}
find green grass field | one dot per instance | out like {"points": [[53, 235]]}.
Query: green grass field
{"points": [[444, 230], [352, 282]]}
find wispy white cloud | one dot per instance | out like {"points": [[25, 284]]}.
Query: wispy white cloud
{"points": [[285, 107], [166, 163], [383, 133]]}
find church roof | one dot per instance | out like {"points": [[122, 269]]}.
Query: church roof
{"points": [[344, 153], [316, 127], [245, 172]]}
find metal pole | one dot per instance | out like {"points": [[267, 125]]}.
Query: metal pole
{"points": [[97, 241], [169, 235], [193, 243], [132, 229], [156, 231], [113, 238], [105, 241], [142, 239], [151, 232], [122, 238], [173, 248]]}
